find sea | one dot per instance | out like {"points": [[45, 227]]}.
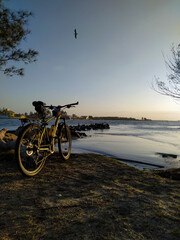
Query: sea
{"points": [[142, 144]]}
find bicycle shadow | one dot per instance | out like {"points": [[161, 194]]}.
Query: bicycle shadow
{"points": [[9, 169]]}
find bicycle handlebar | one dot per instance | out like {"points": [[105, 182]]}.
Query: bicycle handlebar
{"points": [[63, 106]]}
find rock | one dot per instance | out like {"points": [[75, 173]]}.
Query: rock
{"points": [[7, 140], [75, 133], [10, 137], [2, 133], [95, 126], [76, 130], [166, 155]]}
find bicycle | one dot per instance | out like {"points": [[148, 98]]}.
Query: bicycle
{"points": [[35, 142]]}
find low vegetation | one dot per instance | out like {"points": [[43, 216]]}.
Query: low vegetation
{"points": [[88, 197]]}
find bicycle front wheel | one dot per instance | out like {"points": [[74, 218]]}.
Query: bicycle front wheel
{"points": [[30, 159], [64, 142]]}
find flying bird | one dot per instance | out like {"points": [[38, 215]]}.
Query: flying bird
{"points": [[75, 33]]}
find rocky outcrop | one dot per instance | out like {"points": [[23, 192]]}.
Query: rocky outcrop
{"points": [[95, 126], [79, 130]]}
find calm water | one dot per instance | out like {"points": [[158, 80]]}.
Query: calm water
{"points": [[134, 140]]}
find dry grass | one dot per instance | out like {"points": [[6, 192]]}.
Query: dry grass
{"points": [[88, 197]]}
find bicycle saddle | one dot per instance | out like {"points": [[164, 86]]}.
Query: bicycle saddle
{"points": [[39, 106], [38, 103]]}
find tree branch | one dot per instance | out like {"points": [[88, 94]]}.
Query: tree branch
{"points": [[172, 86], [12, 33]]}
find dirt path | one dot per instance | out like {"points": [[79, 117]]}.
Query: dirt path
{"points": [[87, 197]]}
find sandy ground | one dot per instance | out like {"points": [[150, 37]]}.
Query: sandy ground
{"points": [[88, 197]]}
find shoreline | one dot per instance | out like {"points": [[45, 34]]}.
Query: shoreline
{"points": [[133, 163], [141, 146]]}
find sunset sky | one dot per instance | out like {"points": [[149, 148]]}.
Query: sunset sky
{"points": [[109, 68]]}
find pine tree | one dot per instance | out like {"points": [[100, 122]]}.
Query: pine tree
{"points": [[13, 30]]}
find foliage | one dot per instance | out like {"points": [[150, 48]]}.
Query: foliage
{"points": [[114, 118], [5, 112], [13, 31], [171, 87]]}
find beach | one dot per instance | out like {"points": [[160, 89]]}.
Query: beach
{"points": [[89, 196]]}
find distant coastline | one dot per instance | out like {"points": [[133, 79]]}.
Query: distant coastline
{"points": [[9, 113], [19, 116], [121, 118]]}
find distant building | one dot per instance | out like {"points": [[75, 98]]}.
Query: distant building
{"points": [[145, 119], [20, 116], [9, 113], [84, 117]]}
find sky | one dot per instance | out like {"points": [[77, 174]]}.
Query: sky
{"points": [[111, 65]]}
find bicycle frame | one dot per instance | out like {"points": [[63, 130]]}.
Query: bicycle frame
{"points": [[45, 131], [50, 139]]}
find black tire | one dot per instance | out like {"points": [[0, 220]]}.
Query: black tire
{"points": [[64, 141], [30, 160]]}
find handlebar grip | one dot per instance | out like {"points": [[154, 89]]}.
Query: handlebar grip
{"points": [[74, 103]]}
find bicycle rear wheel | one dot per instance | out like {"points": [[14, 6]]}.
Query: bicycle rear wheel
{"points": [[30, 159], [64, 141]]}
